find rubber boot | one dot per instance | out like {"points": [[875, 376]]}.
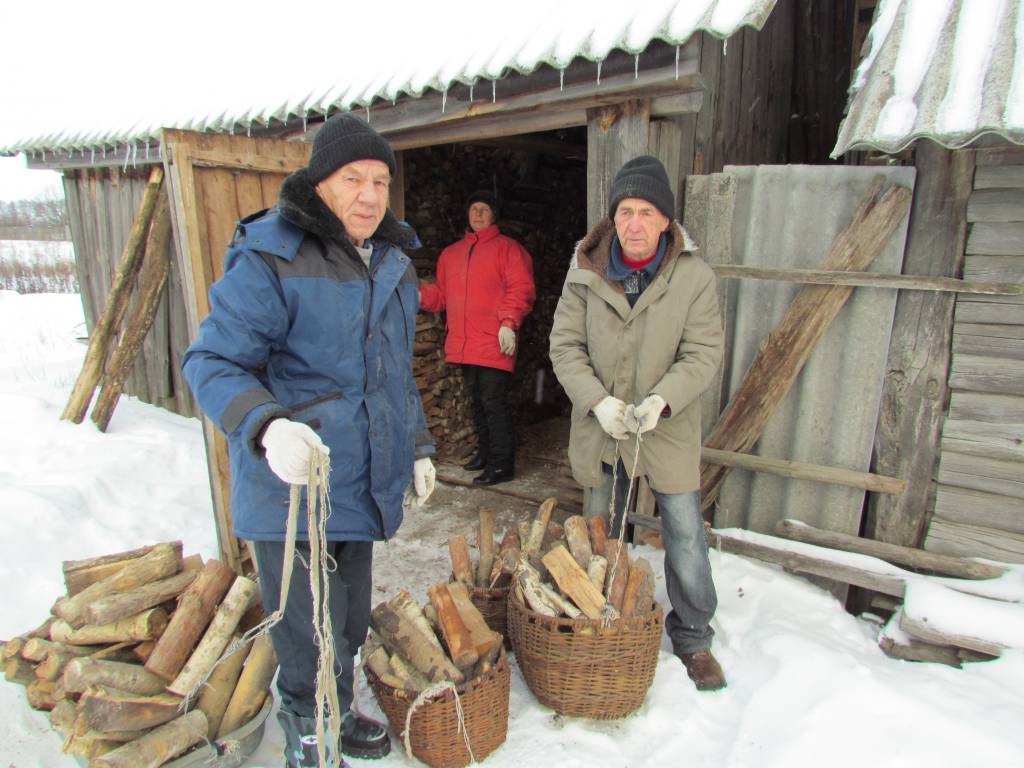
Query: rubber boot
{"points": [[300, 743]]}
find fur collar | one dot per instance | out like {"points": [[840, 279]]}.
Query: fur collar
{"points": [[594, 251], [301, 205]]}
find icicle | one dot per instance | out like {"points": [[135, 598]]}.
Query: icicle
{"points": [[494, 91], [147, 149], [677, 62], [305, 118], [636, 66], [135, 155], [368, 113], [44, 155], [104, 151], [561, 79], [725, 47], [599, 73], [471, 92], [248, 130], [127, 157], [444, 99], [92, 155]]}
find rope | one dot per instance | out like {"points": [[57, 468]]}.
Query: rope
{"points": [[433, 690]]}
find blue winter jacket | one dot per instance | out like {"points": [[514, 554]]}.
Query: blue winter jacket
{"points": [[299, 328]]}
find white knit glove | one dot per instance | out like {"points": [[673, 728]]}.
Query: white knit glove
{"points": [[289, 445], [507, 340], [423, 479], [648, 413], [611, 412]]}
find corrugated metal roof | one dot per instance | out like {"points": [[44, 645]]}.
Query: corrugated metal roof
{"points": [[947, 70], [516, 37]]}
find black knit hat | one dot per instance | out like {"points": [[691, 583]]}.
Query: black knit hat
{"points": [[645, 178], [484, 196], [343, 139]]}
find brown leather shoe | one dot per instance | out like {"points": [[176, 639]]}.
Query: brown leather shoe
{"points": [[704, 670]]}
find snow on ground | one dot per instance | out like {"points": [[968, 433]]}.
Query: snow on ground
{"points": [[808, 685]]}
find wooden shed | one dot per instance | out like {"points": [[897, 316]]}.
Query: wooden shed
{"points": [[766, 89]]}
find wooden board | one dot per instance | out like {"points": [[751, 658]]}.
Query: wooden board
{"points": [[982, 474], [971, 507], [950, 538], [997, 239]]}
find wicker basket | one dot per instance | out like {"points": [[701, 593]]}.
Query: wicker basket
{"points": [[435, 735], [602, 674], [492, 603]]}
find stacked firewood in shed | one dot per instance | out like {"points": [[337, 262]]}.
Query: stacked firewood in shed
{"points": [[442, 389], [575, 570], [121, 663]]}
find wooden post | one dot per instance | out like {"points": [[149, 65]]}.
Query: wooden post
{"points": [[786, 349], [155, 270], [615, 134], [117, 303]]}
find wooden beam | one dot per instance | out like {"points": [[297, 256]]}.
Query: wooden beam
{"points": [[231, 160], [869, 280], [615, 134]]}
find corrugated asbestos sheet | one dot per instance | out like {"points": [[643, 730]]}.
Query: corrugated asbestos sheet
{"points": [[947, 70], [788, 216], [517, 37]]}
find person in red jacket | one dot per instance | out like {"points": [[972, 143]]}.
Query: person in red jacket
{"points": [[485, 284]]}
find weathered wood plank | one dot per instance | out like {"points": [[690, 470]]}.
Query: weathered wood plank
{"points": [[998, 176], [950, 538], [989, 340], [997, 239], [970, 507], [995, 409], [615, 134], [982, 474], [979, 438], [914, 390], [1003, 154], [999, 205], [1001, 269], [987, 374], [988, 312]]}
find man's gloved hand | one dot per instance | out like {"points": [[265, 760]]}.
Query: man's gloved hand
{"points": [[611, 413], [423, 479], [648, 413], [507, 340], [289, 445]]}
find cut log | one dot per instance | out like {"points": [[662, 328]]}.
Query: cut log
{"points": [[62, 716], [574, 582], [598, 534], [80, 728], [79, 574], [639, 596], [538, 528], [462, 565], [453, 628], [483, 637], [217, 691], [530, 593], [217, 636], [597, 570], [523, 528], [107, 709], [404, 603], [410, 678], [400, 635], [618, 573], [40, 694], [156, 268], [147, 625], [504, 566], [510, 540], [253, 684], [485, 547], [577, 536], [12, 648], [162, 561], [787, 348], [918, 650], [486, 663], [916, 559], [117, 303], [117, 606], [52, 667], [561, 604], [89, 747], [131, 678], [143, 651], [191, 618], [555, 532], [158, 746]]}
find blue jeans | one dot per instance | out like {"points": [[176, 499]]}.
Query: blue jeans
{"points": [[691, 590]]}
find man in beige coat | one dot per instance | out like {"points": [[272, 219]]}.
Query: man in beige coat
{"points": [[636, 339]]}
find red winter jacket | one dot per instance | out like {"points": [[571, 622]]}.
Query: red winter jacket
{"points": [[484, 281]]}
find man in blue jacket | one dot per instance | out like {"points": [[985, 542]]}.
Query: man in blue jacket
{"points": [[308, 345]]}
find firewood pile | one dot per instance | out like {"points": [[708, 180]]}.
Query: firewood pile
{"points": [[574, 570], [442, 389], [135, 635]]}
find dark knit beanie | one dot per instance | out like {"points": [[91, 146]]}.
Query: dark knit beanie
{"points": [[645, 178], [343, 139], [486, 197]]}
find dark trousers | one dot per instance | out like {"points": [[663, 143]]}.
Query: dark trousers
{"points": [[488, 388], [349, 584]]}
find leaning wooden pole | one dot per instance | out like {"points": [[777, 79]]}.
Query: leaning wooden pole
{"points": [[786, 349], [117, 303], [156, 268]]}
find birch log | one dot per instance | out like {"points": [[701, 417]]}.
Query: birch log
{"points": [[158, 746]]}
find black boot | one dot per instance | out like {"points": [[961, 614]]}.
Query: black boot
{"points": [[479, 461], [300, 744], [362, 737], [493, 475]]}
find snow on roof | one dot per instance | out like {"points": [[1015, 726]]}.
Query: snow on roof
{"points": [[425, 50], [947, 70]]}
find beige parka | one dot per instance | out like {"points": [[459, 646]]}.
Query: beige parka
{"points": [[668, 344]]}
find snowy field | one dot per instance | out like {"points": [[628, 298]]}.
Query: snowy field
{"points": [[37, 251], [808, 685]]}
